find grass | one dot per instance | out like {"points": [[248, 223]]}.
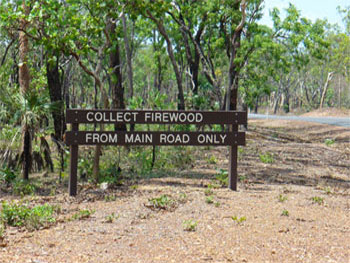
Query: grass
{"points": [[285, 212], [2, 230], [22, 188], [83, 214], [110, 198], [266, 157], [212, 160], [110, 218], [163, 202], [21, 215], [282, 198], [329, 142], [208, 192], [222, 177], [190, 225], [209, 200], [239, 220], [317, 200]]}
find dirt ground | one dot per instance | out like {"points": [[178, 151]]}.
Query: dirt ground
{"points": [[294, 209]]}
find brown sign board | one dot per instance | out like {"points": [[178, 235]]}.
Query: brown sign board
{"points": [[155, 138], [233, 138], [156, 117]]}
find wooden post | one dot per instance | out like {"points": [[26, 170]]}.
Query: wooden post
{"points": [[73, 170], [232, 170]]}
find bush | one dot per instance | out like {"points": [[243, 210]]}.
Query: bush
{"points": [[22, 187], [222, 177], [266, 157], [163, 202], [7, 175], [32, 218]]}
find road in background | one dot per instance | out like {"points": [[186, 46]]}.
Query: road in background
{"points": [[336, 121]]}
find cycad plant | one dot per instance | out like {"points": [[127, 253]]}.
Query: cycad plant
{"points": [[31, 111]]}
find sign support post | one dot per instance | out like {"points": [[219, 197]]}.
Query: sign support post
{"points": [[232, 170], [73, 167]]}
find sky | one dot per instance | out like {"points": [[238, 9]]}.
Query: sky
{"points": [[311, 9]]}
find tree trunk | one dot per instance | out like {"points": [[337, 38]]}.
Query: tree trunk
{"points": [[235, 43], [128, 57], [55, 90], [24, 82], [325, 88], [162, 31]]}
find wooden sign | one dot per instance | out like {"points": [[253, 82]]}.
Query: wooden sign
{"points": [[156, 117], [233, 138], [155, 138]]}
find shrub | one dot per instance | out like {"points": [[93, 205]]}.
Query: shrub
{"points": [[163, 202], [7, 175], [22, 187], [266, 157], [285, 213], [32, 218], [329, 142], [190, 225], [222, 177], [83, 214], [282, 198], [239, 220], [317, 200]]}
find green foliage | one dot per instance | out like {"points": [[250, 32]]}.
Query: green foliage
{"points": [[282, 198], [83, 214], [208, 191], [266, 157], [285, 212], [222, 177], [111, 218], [328, 190], [317, 200], [110, 198], [212, 159], [32, 218], [239, 220], [7, 175], [163, 202], [2, 230], [329, 142], [209, 199], [22, 187], [190, 225]]}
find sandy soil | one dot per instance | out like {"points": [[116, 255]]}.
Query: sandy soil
{"points": [[328, 112], [250, 225]]}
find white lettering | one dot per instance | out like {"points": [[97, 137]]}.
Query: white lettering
{"points": [[95, 138], [113, 137], [171, 138], [98, 116], [126, 118], [129, 138], [87, 116], [147, 116], [186, 138], [199, 117], [201, 138], [88, 137], [103, 138], [162, 138], [223, 138], [190, 117], [134, 115], [182, 117]]}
